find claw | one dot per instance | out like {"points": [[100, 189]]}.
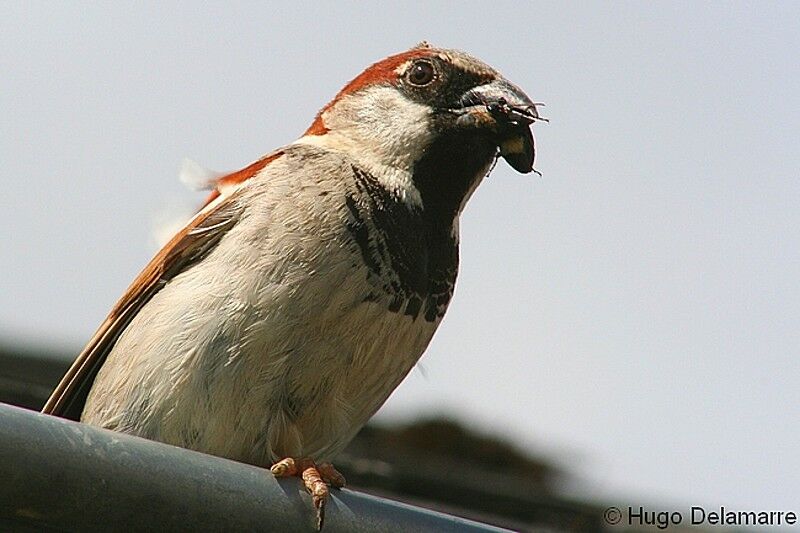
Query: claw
{"points": [[315, 479]]}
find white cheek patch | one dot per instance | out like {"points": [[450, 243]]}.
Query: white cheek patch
{"points": [[384, 132]]}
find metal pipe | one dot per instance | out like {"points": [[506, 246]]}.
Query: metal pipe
{"points": [[58, 474]]}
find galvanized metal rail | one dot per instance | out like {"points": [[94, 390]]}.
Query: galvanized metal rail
{"points": [[60, 475]]}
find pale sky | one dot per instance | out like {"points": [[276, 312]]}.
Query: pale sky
{"points": [[633, 314]]}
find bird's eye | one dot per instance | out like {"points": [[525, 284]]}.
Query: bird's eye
{"points": [[421, 73]]}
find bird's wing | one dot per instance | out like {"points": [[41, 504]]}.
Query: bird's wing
{"points": [[191, 244]]}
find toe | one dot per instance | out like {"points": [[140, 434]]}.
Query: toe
{"points": [[285, 468], [315, 479], [330, 475], [318, 490]]}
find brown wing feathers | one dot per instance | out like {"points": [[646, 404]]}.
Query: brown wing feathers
{"points": [[193, 242]]}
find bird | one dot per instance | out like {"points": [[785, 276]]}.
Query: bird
{"points": [[281, 317]]}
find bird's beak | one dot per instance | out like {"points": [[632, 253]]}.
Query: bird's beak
{"points": [[505, 110]]}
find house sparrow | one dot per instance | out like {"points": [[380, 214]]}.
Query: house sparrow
{"points": [[283, 315]]}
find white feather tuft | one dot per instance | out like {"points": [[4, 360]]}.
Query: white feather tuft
{"points": [[196, 176]]}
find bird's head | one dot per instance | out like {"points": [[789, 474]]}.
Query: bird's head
{"points": [[429, 123]]}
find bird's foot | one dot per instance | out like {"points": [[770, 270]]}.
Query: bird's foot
{"points": [[316, 478]]}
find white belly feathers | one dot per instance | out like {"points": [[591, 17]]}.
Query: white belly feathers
{"points": [[285, 359]]}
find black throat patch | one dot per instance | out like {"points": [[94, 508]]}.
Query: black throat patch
{"points": [[411, 257]]}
